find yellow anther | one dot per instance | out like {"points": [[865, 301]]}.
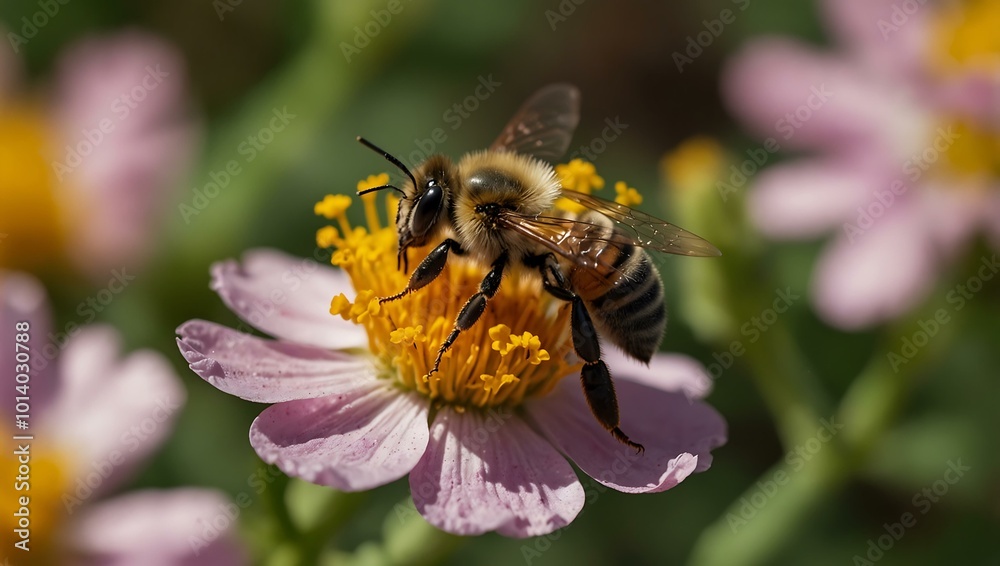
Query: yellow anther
{"points": [[327, 237], [627, 195]]}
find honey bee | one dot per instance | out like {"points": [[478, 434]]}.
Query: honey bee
{"points": [[496, 207]]}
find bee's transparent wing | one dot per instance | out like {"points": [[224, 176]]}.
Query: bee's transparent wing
{"points": [[641, 229], [544, 125]]}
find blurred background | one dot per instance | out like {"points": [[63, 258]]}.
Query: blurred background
{"points": [[851, 325]]}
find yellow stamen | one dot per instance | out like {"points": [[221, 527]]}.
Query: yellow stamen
{"points": [[371, 214], [580, 176], [490, 364], [695, 163], [627, 195], [327, 237], [335, 207]]}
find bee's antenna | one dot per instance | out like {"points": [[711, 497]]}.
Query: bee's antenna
{"points": [[379, 188], [390, 159]]}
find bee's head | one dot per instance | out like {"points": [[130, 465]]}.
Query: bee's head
{"points": [[426, 196]]}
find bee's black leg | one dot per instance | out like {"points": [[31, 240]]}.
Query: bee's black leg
{"points": [[594, 376], [474, 307], [428, 270]]}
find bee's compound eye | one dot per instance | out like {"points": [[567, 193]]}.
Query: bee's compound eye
{"points": [[427, 209]]}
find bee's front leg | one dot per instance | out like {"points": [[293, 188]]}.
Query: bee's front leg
{"points": [[474, 307], [428, 270]]}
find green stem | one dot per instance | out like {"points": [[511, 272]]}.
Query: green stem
{"points": [[749, 534]]}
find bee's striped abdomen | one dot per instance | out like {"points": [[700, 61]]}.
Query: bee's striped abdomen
{"points": [[624, 295], [632, 313]]}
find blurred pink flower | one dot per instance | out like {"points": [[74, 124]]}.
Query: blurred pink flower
{"points": [[902, 128], [342, 417], [93, 419], [87, 173]]}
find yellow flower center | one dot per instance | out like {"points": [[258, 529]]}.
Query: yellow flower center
{"points": [[32, 228], [42, 480], [965, 35], [965, 38], [520, 347]]}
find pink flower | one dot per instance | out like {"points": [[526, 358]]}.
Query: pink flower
{"points": [[902, 127], [93, 418], [87, 173], [351, 411]]}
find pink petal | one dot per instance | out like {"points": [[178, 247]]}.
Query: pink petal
{"points": [[268, 371], [877, 36], [23, 299], [808, 198], [351, 441], [975, 95], [772, 82], [483, 473], [135, 86], [185, 526], [881, 275], [670, 372], [678, 432], [288, 298], [112, 413]]}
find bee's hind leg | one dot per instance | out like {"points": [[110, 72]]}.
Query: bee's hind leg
{"points": [[474, 307], [428, 270], [595, 377]]}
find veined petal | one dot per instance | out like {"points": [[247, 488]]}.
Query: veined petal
{"points": [[288, 298], [678, 432], [880, 275], [110, 412], [160, 528], [492, 472], [351, 441], [268, 371]]}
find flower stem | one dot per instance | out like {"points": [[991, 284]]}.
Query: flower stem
{"points": [[754, 529]]}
